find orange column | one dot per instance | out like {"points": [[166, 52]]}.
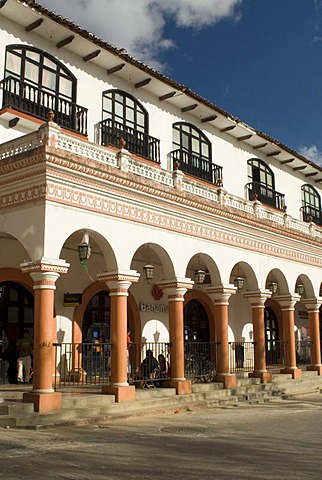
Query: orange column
{"points": [[118, 285], [287, 303], [44, 276], [175, 292], [313, 308], [257, 300], [220, 296]]}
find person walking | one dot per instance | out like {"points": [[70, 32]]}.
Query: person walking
{"points": [[25, 347]]}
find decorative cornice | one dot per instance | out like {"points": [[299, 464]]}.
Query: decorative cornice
{"points": [[45, 265]]}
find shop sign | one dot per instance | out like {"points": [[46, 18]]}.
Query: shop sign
{"points": [[72, 299], [153, 307]]}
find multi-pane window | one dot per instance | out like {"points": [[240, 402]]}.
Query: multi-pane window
{"points": [[260, 173], [191, 140], [261, 184], [40, 70], [311, 204], [124, 109]]}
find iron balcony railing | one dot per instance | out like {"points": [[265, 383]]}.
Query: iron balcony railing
{"points": [[139, 143], [200, 361], [311, 214], [196, 166], [275, 353], [265, 194], [241, 357], [37, 102]]}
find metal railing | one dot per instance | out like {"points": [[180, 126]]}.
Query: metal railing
{"points": [[82, 364], [303, 352], [140, 143], [200, 361], [37, 102], [144, 362], [275, 353], [311, 214], [196, 166], [265, 194], [241, 357]]}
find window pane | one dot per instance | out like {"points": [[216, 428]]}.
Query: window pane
{"points": [[65, 87], [33, 55], [49, 80], [140, 119], [50, 64], [13, 63], [129, 114], [31, 72]]}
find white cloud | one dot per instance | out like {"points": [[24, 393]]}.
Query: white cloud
{"points": [[139, 25], [311, 153]]}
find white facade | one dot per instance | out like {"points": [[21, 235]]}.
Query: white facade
{"points": [[56, 183]]}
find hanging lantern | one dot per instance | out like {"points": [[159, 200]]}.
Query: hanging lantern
{"points": [[273, 287], [239, 282], [84, 248], [300, 289], [200, 276], [148, 270]]}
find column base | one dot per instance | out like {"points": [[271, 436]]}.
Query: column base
{"points": [[122, 394], [43, 402], [183, 387], [315, 368], [295, 372], [265, 377], [229, 381]]}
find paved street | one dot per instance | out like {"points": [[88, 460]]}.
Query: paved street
{"points": [[274, 441]]}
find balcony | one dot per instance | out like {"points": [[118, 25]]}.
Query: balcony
{"points": [[137, 142], [311, 214], [265, 194], [196, 166], [36, 102]]}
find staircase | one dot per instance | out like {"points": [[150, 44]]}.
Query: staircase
{"points": [[81, 408]]}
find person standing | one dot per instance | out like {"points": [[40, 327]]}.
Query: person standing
{"points": [[25, 347]]}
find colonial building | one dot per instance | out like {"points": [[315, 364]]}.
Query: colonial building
{"points": [[128, 201]]}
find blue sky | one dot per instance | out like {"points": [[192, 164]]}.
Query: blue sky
{"points": [[260, 60]]}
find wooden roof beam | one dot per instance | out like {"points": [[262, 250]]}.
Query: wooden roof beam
{"points": [[295, 169], [34, 25], [260, 145], [143, 83], [227, 129], [210, 118], [65, 41], [289, 160], [189, 107], [167, 95], [92, 55], [274, 153], [245, 137], [117, 68], [311, 174]]}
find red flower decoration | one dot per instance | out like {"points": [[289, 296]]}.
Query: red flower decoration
{"points": [[157, 292]]}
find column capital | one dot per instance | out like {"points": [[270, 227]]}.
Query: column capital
{"points": [[288, 301], [53, 265], [257, 298], [176, 288], [220, 294], [119, 281], [312, 304]]}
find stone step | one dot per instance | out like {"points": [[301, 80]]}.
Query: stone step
{"points": [[94, 400], [248, 381], [207, 387], [8, 408]]}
